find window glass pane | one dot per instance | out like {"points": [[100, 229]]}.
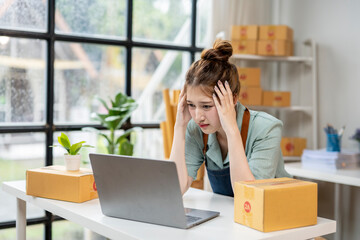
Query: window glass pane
{"points": [[29, 15], [19, 152], [83, 71], [22, 80], [203, 23], [153, 71], [33, 232], [64, 230], [142, 147], [162, 21], [95, 18]]}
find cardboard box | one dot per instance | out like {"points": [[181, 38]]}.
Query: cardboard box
{"points": [[244, 46], [276, 32], [244, 32], [249, 77], [250, 96], [275, 48], [275, 204], [56, 183], [276, 99], [292, 146]]}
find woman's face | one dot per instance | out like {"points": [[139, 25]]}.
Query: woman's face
{"points": [[203, 110]]}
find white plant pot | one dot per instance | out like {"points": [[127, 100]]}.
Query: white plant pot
{"points": [[72, 162]]}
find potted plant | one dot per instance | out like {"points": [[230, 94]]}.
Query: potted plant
{"points": [[120, 110], [72, 157]]}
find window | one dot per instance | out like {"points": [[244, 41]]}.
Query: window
{"points": [[57, 56]]}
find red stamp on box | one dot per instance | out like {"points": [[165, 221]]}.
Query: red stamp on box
{"points": [[94, 186], [247, 207]]}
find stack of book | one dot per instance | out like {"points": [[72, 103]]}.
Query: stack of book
{"points": [[323, 159]]}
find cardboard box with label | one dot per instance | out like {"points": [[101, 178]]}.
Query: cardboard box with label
{"points": [[292, 146], [249, 77], [276, 32], [276, 99], [275, 204], [56, 183], [244, 32], [275, 48], [250, 96], [244, 46]]}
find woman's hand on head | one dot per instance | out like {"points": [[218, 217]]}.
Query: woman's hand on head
{"points": [[183, 115], [225, 106]]}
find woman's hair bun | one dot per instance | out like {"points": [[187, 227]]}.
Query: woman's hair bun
{"points": [[221, 51]]}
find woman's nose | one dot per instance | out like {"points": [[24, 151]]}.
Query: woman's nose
{"points": [[199, 115]]}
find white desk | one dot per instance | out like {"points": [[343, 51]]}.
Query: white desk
{"points": [[89, 215], [349, 177]]}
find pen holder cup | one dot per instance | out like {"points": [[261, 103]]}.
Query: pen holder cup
{"points": [[333, 143]]}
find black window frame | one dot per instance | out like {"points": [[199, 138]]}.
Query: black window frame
{"points": [[49, 128]]}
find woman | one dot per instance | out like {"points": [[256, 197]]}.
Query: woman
{"points": [[212, 126]]}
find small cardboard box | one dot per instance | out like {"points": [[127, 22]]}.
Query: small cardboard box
{"points": [[292, 146], [250, 96], [244, 46], [244, 32], [249, 77], [276, 32], [275, 48], [276, 99], [56, 183], [275, 204]]}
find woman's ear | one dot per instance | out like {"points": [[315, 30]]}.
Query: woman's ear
{"points": [[235, 99]]}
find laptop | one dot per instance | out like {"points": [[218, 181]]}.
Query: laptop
{"points": [[145, 190]]}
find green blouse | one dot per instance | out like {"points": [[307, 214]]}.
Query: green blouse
{"points": [[262, 146]]}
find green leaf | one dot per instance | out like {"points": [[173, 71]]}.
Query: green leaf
{"points": [[125, 147], [127, 133], [74, 149], [64, 141], [103, 103]]}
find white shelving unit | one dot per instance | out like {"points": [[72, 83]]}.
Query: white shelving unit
{"points": [[312, 109]]}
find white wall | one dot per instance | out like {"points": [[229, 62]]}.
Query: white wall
{"points": [[334, 25]]}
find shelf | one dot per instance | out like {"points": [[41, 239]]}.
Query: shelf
{"points": [[307, 109], [291, 159], [272, 58]]}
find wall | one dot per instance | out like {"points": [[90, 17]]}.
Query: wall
{"points": [[334, 25]]}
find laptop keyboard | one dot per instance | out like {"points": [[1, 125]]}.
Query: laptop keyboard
{"points": [[191, 219]]}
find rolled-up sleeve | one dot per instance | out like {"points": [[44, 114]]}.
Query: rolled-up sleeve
{"points": [[193, 151], [266, 152]]}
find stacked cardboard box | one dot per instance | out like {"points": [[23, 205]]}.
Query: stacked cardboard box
{"points": [[275, 40], [250, 92], [265, 40], [292, 146], [276, 99], [244, 39]]}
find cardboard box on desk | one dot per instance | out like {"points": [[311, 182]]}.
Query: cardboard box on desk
{"points": [[56, 183], [249, 77], [275, 204], [292, 146]]}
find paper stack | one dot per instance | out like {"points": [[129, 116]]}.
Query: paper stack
{"points": [[323, 159]]}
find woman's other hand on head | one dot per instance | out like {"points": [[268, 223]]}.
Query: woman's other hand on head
{"points": [[225, 106]]}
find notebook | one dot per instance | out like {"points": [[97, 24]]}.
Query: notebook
{"points": [[145, 190]]}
